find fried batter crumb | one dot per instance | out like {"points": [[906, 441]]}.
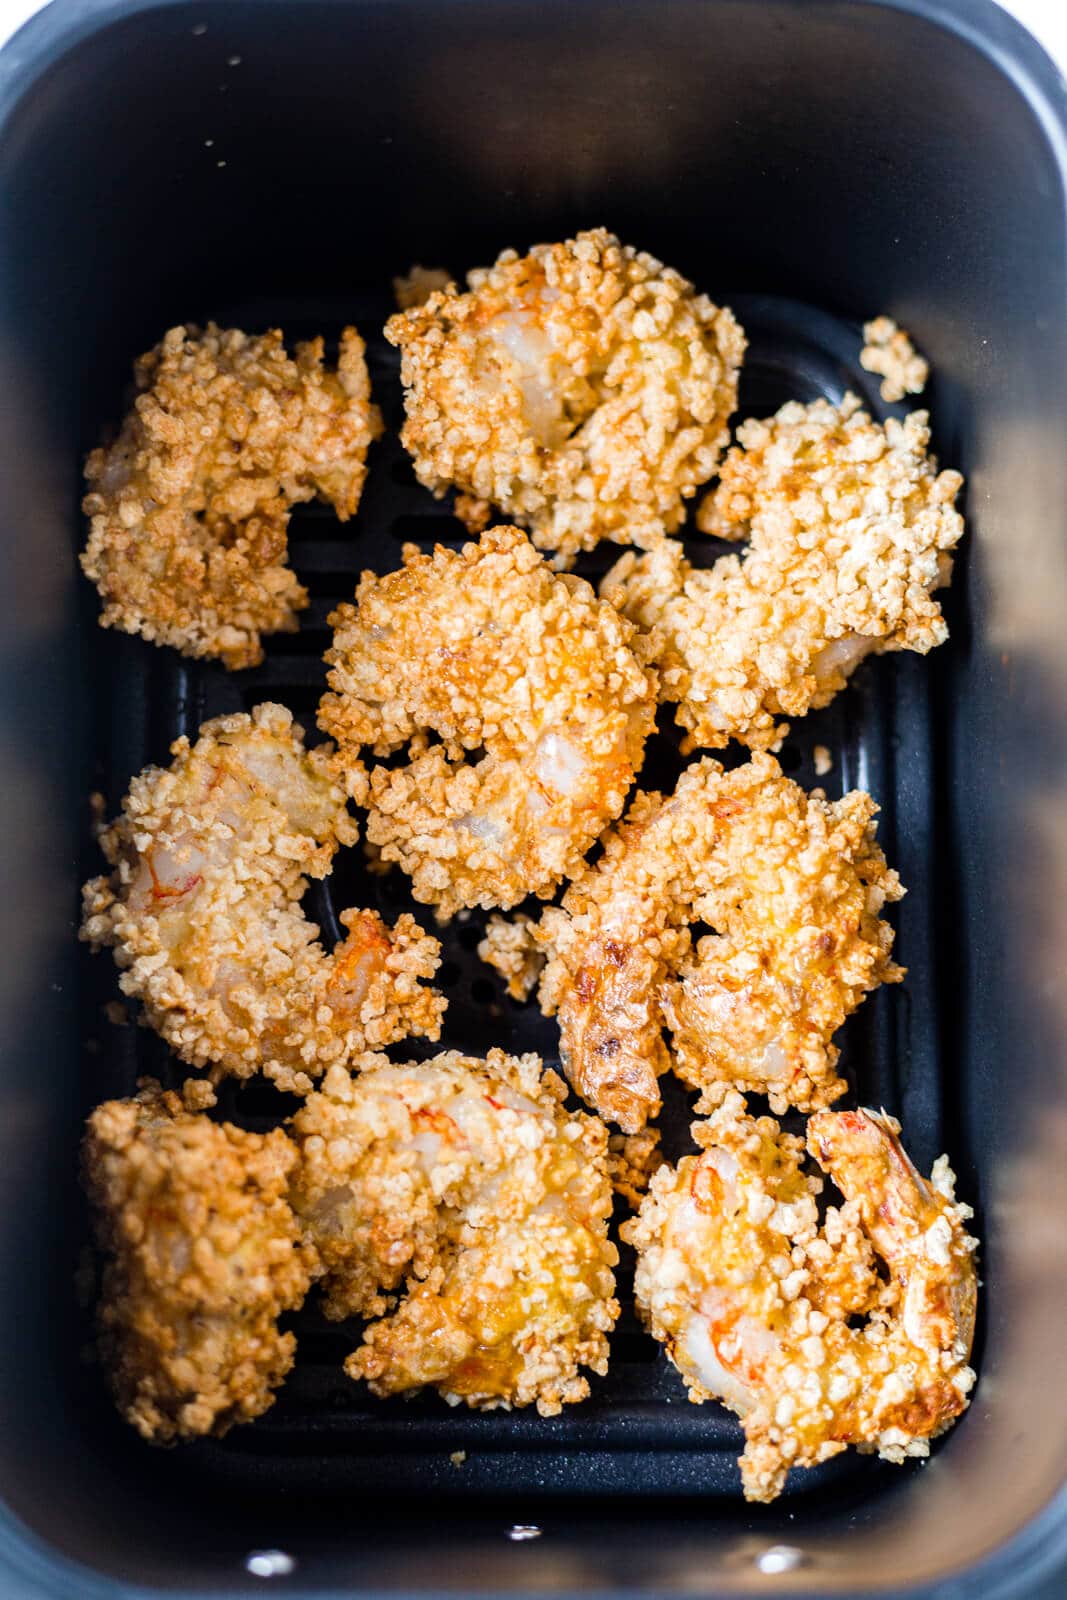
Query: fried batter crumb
{"points": [[583, 389], [475, 514], [117, 1014], [414, 288], [888, 351], [458, 1457], [198, 1094], [189, 508], [823, 761], [850, 529], [204, 1254], [511, 950], [632, 1159], [459, 1203]]}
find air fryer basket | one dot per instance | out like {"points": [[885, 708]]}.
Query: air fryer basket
{"points": [[810, 164]]}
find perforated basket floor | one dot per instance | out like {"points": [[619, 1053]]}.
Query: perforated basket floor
{"points": [[637, 1432]]}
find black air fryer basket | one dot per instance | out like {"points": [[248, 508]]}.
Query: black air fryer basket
{"points": [[811, 163]]}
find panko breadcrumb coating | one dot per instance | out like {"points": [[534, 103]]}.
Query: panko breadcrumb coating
{"points": [[850, 529], [488, 650], [204, 1255], [202, 909], [189, 508], [584, 389], [788, 1320], [456, 1200], [888, 351], [793, 886]]}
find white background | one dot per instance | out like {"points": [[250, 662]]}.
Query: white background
{"points": [[1046, 19]]}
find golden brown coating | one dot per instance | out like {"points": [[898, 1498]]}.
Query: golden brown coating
{"points": [[204, 1255], [487, 649], [189, 508], [793, 886], [583, 389], [788, 1320], [460, 1198], [202, 909], [849, 527], [889, 352]]}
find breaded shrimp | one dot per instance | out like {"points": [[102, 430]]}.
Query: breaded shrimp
{"points": [[487, 649], [583, 389], [850, 529], [459, 1197], [189, 507], [202, 909], [793, 886], [205, 1254], [757, 1302]]}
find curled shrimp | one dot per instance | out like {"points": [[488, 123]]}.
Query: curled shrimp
{"points": [[583, 389], [203, 1255], [850, 529], [202, 909], [189, 508], [793, 886], [787, 1320], [459, 1197], [487, 649]]}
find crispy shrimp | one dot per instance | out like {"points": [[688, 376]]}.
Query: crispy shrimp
{"points": [[204, 1255], [487, 649], [793, 886], [788, 1321], [584, 389], [189, 507], [202, 909], [460, 1193], [850, 529]]}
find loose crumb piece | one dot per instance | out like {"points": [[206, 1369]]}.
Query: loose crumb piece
{"points": [[414, 288], [116, 1014], [889, 352], [458, 1457], [824, 761], [510, 949], [632, 1159], [198, 1094]]}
